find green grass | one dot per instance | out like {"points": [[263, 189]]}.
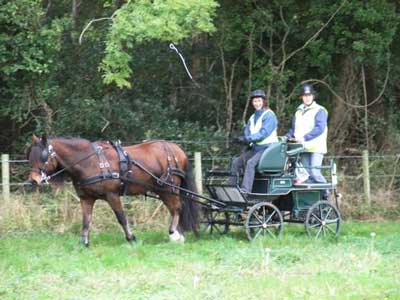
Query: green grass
{"points": [[45, 265]]}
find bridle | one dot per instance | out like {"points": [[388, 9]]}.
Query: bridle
{"points": [[49, 153]]}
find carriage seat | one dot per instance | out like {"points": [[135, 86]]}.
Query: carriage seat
{"points": [[274, 159], [294, 149]]}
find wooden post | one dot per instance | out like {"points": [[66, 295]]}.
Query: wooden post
{"points": [[5, 172], [198, 177], [367, 188]]}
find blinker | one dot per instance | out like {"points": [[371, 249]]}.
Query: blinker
{"points": [[44, 156]]}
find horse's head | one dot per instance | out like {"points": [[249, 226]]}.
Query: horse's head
{"points": [[41, 156]]}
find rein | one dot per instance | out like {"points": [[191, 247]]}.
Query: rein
{"points": [[188, 194]]}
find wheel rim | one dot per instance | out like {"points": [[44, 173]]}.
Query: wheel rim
{"points": [[263, 219], [215, 221], [323, 220]]}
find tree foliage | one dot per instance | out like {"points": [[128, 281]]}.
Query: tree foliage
{"points": [[124, 82], [141, 21]]}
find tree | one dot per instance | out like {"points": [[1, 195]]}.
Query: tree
{"points": [[29, 44]]}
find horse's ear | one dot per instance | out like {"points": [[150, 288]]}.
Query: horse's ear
{"points": [[35, 139], [44, 139]]}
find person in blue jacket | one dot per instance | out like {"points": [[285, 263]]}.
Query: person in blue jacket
{"points": [[259, 133], [309, 126]]}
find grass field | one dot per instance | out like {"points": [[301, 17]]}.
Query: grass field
{"points": [[363, 263]]}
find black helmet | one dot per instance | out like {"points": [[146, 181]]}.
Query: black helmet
{"points": [[307, 89], [257, 93]]}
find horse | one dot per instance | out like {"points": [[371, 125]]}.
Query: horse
{"points": [[104, 170]]}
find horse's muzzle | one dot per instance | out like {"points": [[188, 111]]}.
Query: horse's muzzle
{"points": [[30, 183]]}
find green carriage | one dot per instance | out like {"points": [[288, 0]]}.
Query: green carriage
{"points": [[275, 198]]}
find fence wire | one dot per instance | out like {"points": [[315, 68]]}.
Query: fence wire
{"points": [[384, 174]]}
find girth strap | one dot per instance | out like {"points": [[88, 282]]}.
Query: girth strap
{"points": [[125, 163], [125, 166]]}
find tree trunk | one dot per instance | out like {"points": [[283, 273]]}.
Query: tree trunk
{"points": [[343, 118]]}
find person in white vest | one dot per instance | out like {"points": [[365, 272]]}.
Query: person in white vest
{"points": [[309, 126], [259, 133]]}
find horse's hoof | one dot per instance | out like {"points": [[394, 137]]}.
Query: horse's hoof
{"points": [[176, 237], [131, 239], [84, 243]]}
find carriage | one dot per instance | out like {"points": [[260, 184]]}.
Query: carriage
{"points": [[106, 170], [274, 199]]}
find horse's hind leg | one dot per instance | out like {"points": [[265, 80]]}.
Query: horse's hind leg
{"points": [[87, 209], [116, 205], [174, 206]]}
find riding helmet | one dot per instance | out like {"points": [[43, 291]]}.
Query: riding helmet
{"points": [[257, 93], [307, 89]]}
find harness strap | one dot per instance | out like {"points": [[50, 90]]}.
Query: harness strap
{"points": [[104, 166], [171, 170], [98, 178], [125, 166], [103, 162]]}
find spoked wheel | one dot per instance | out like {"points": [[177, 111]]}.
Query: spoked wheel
{"points": [[322, 220], [263, 219], [215, 221]]}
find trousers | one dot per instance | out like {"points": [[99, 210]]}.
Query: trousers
{"points": [[312, 162], [247, 161]]}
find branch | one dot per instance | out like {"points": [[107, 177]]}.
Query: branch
{"points": [[251, 49], [343, 100], [92, 21], [283, 44], [314, 36]]}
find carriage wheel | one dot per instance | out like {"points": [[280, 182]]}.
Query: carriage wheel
{"points": [[215, 221], [322, 220], [263, 219]]}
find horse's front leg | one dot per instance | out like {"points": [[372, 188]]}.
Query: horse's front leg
{"points": [[116, 205], [87, 209], [174, 206]]}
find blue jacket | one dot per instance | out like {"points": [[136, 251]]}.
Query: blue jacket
{"points": [[269, 124]]}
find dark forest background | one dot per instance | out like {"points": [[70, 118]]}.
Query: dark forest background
{"points": [[50, 83]]}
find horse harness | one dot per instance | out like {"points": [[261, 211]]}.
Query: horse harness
{"points": [[125, 168]]}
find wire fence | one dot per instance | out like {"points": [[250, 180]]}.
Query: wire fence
{"points": [[383, 170]]}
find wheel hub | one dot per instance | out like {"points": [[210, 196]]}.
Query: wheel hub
{"points": [[264, 225]]}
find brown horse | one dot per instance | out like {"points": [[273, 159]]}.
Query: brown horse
{"points": [[95, 171]]}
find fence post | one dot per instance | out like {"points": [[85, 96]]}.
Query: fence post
{"points": [[198, 177], [5, 173], [367, 187]]}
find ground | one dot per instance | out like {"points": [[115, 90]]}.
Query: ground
{"points": [[363, 263]]}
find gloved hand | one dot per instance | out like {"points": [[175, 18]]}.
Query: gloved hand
{"points": [[239, 140]]}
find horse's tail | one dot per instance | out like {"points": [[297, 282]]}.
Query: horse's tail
{"points": [[189, 215]]}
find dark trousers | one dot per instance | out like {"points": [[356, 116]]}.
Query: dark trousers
{"points": [[247, 161]]}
